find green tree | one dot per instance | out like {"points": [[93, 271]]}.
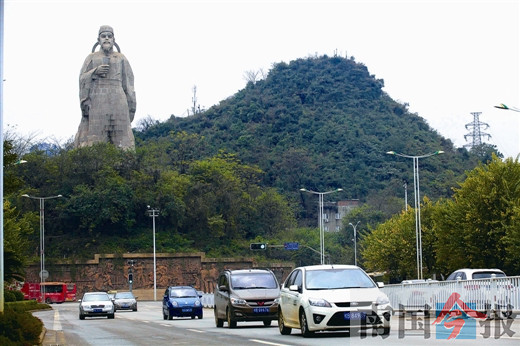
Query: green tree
{"points": [[480, 226]]}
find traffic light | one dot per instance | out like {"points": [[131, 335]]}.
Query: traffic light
{"points": [[258, 246], [130, 278]]}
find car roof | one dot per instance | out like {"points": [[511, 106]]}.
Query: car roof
{"points": [[252, 271], [329, 266], [94, 293], [473, 270], [181, 287]]}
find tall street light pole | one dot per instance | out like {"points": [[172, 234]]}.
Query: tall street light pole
{"points": [[418, 231], [355, 241], [43, 273], [320, 221], [153, 213]]}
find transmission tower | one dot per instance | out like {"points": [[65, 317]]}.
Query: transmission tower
{"points": [[475, 129]]}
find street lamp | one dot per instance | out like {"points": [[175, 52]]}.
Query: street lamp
{"points": [[355, 241], [43, 273], [153, 213], [320, 222], [418, 239], [503, 106]]}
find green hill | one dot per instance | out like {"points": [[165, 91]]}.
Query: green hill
{"points": [[323, 123]]}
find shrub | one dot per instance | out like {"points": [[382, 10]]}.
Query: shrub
{"points": [[19, 328]]}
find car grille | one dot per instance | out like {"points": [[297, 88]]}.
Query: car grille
{"points": [[97, 306], [260, 302], [353, 304]]}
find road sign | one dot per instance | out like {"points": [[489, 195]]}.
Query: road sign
{"points": [[44, 274], [291, 246]]}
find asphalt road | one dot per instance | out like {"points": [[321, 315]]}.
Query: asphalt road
{"points": [[147, 327]]}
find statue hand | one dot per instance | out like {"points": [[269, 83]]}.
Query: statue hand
{"points": [[102, 70]]}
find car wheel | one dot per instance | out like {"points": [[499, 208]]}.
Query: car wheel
{"points": [[267, 323], [110, 316], [231, 322], [218, 322], [170, 317], [200, 317], [281, 325], [193, 317], [48, 301], [134, 309], [164, 316], [304, 326], [81, 317]]}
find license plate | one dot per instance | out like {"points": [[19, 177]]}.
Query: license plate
{"points": [[261, 310], [186, 310], [125, 305], [354, 315], [98, 310]]}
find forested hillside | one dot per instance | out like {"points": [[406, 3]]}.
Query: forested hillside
{"points": [[323, 123]]}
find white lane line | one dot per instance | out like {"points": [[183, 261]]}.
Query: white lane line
{"points": [[196, 330], [57, 323], [267, 342]]}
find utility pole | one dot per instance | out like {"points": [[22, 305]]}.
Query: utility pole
{"points": [[476, 133]]}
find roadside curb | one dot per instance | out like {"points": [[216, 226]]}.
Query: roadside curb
{"points": [[42, 335]]}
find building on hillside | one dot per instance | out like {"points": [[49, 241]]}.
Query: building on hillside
{"points": [[334, 212]]}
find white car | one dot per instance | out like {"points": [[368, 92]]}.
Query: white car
{"points": [[96, 304], [472, 274], [332, 297]]}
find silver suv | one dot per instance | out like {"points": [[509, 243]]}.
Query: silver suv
{"points": [[246, 295]]}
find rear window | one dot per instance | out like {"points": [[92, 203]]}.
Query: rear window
{"points": [[487, 275], [253, 280]]}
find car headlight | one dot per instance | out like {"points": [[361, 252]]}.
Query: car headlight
{"points": [[174, 303], [319, 302], [277, 301], [237, 301], [382, 300], [197, 303]]}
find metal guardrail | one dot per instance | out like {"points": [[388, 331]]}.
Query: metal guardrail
{"points": [[208, 300], [484, 295]]}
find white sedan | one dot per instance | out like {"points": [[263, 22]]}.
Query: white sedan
{"points": [[95, 304], [332, 297]]}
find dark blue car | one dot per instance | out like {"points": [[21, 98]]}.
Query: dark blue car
{"points": [[181, 301]]}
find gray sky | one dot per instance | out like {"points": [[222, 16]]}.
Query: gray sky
{"points": [[446, 59]]}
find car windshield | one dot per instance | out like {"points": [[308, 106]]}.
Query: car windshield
{"points": [[126, 295], [95, 297], [183, 293], [337, 278], [487, 275], [252, 281]]}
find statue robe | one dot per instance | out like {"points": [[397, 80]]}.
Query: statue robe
{"points": [[107, 103]]}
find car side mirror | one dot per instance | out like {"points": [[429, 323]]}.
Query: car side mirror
{"points": [[380, 284], [136, 298], [294, 288], [79, 300], [222, 288]]}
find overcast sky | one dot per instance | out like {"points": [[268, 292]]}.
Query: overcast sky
{"points": [[446, 59]]}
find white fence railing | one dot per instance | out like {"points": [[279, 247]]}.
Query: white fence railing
{"points": [[483, 295], [207, 300]]}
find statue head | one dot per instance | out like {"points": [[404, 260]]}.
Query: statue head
{"points": [[106, 38]]}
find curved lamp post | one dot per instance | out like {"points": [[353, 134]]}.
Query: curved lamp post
{"points": [[43, 273], [320, 222], [418, 239], [355, 241]]}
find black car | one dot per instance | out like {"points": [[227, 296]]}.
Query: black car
{"points": [[181, 301]]}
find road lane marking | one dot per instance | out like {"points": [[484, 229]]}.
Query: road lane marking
{"points": [[57, 323], [267, 342], [196, 330]]}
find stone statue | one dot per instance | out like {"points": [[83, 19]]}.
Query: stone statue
{"points": [[107, 96]]}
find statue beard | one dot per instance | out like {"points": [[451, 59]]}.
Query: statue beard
{"points": [[107, 48]]}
